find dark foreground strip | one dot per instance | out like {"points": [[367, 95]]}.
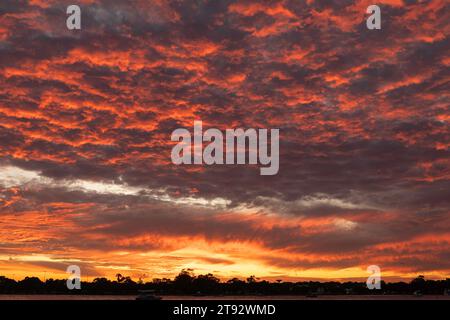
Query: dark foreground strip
{"points": [[225, 309]]}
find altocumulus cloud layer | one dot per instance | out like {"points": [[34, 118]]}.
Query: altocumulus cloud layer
{"points": [[86, 118]]}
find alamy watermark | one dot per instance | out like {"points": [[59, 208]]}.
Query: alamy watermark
{"points": [[73, 21], [374, 20], [374, 280], [74, 280], [249, 146]]}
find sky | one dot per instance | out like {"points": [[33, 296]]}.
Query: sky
{"points": [[86, 116]]}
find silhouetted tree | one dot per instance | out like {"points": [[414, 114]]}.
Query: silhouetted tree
{"points": [[187, 283], [7, 285], [418, 283], [31, 285], [206, 283], [183, 281]]}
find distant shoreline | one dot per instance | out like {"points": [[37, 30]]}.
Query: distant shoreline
{"points": [[187, 284]]}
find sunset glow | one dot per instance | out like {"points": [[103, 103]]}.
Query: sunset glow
{"points": [[86, 116]]}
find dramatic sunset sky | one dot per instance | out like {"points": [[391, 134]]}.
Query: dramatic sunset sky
{"points": [[86, 116]]}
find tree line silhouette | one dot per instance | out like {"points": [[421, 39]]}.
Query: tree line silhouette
{"points": [[187, 283]]}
